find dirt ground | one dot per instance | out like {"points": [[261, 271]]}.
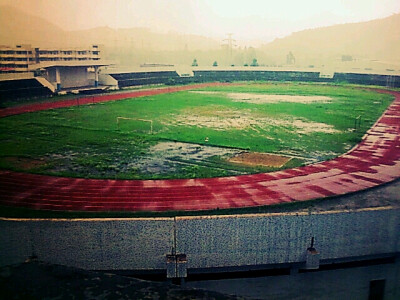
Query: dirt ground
{"points": [[260, 159]]}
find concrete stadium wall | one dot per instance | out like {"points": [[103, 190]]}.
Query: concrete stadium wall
{"points": [[73, 77], [106, 79], [284, 238], [208, 241], [70, 77], [132, 244]]}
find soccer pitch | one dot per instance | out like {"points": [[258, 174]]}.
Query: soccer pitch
{"points": [[215, 131]]}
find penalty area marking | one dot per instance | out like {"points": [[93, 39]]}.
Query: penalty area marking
{"points": [[135, 119]]}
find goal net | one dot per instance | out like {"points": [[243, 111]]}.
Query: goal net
{"points": [[134, 124]]}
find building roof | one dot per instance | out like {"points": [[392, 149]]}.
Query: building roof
{"points": [[74, 63], [135, 69]]}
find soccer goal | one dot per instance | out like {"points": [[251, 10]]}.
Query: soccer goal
{"points": [[136, 124], [357, 122]]}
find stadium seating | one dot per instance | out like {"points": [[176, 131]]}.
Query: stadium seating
{"points": [[22, 88], [228, 76], [145, 78], [368, 79]]}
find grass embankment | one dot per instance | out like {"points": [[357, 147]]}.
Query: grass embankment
{"points": [[86, 141]]}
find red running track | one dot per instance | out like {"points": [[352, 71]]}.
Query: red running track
{"points": [[376, 160]]}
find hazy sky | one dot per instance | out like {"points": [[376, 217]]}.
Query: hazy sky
{"points": [[247, 19]]}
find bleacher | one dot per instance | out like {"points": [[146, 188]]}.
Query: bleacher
{"points": [[238, 75], [22, 88], [368, 79], [146, 78], [12, 89]]}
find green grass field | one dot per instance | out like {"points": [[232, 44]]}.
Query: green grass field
{"points": [[210, 125]]}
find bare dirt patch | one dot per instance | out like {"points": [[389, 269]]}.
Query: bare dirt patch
{"points": [[221, 118], [268, 98], [265, 98], [260, 159], [166, 157]]}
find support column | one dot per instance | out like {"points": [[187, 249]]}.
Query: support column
{"points": [[312, 257], [96, 76], [177, 267], [58, 79]]}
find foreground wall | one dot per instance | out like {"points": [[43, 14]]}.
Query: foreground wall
{"points": [[208, 241], [88, 244], [284, 238]]}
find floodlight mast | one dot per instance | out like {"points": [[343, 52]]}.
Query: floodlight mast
{"points": [[230, 44]]}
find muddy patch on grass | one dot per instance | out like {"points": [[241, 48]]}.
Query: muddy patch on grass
{"points": [[265, 98], [221, 118], [255, 98], [168, 157], [260, 159], [165, 159]]}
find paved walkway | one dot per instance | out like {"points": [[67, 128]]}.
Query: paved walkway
{"points": [[376, 160]]}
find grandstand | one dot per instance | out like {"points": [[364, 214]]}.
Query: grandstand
{"points": [[234, 75], [368, 79], [33, 87], [126, 79], [145, 78], [23, 88], [306, 76]]}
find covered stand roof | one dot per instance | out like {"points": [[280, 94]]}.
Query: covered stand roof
{"points": [[53, 64]]}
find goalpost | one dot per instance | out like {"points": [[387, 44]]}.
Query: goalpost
{"points": [[357, 122], [135, 119]]}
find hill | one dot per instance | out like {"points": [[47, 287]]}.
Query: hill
{"points": [[372, 40], [17, 27]]}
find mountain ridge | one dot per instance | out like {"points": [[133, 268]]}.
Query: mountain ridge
{"points": [[375, 39], [370, 40]]}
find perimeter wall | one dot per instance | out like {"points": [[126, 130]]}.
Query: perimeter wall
{"points": [[208, 241]]}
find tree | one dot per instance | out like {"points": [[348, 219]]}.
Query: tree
{"points": [[254, 63], [215, 64], [194, 63]]}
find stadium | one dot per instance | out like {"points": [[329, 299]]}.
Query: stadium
{"points": [[309, 216]]}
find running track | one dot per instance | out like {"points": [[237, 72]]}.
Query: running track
{"points": [[376, 160]]}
